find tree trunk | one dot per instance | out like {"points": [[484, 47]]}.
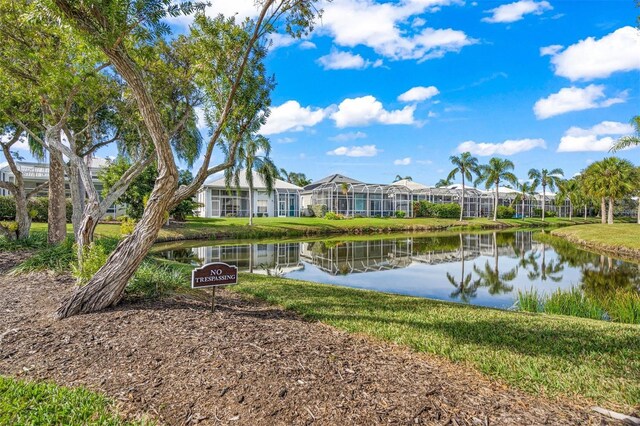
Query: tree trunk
{"points": [[639, 210], [57, 230], [523, 207], [585, 212], [77, 199], [462, 200], [610, 213], [603, 211], [495, 203], [107, 285], [570, 210], [544, 199], [23, 219], [250, 205]]}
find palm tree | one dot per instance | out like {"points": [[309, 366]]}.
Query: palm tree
{"points": [[253, 156], [611, 178], [443, 182], [398, 177], [465, 164], [545, 178], [492, 174], [569, 190], [631, 140], [526, 190], [464, 288]]}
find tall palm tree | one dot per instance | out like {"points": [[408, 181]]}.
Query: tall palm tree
{"points": [[443, 182], [610, 179], [465, 164], [630, 140], [569, 190], [492, 174], [252, 156], [545, 178], [527, 189]]}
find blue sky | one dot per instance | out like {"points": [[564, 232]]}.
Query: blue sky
{"points": [[543, 83]]}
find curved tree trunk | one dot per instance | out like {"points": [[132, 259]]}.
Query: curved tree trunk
{"points": [[77, 199], [544, 200], [610, 213], [603, 211], [23, 219], [250, 205], [57, 220], [495, 203]]}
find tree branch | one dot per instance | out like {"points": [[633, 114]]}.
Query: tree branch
{"points": [[37, 189]]}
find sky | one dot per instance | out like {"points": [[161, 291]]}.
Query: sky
{"points": [[386, 88]]}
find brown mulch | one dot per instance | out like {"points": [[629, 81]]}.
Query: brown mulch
{"points": [[248, 363]]}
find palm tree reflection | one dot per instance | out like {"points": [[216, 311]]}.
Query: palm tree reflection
{"points": [[464, 289], [491, 278]]}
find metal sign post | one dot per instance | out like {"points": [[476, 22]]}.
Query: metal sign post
{"points": [[214, 275]]}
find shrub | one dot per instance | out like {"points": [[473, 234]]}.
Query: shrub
{"points": [[93, 258], [153, 280], [549, 213], [505, 212], [400, 214], [333, 216], [39, 209], [108, 218], [127, 225], [319, 210], [427, 209], [7, 208]]}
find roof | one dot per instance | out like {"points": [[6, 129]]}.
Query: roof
{"points": [[336, 178], [413, 186], [258, 183]]}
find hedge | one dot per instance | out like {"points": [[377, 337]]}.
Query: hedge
{"points": [[38, 206], [505, 212], [427, 209]]}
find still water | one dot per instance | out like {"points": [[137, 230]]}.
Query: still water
{"points": [[484, 269]]}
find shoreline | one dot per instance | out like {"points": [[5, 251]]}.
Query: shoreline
{"points": [[599, 246]]}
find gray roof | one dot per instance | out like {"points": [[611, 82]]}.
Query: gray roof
{"points": [[258, 183], [336, 178]]}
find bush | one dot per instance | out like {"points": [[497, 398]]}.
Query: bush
{"points": [[39, 209], [93, 258], [108, 218], [319, 210], [127, 225], [400, 214], [153, 280], [333, 216], [427, 209], [505, 212], [7, 208], [55, 258]]}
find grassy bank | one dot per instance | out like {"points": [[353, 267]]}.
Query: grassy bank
{"points": [[621, 239], [542, 354], [26, 403], [291, 227]]}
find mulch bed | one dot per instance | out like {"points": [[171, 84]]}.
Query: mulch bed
{"points": [[248, 363]]}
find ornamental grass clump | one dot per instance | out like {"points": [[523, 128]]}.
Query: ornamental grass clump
{"points": [[529, 301], [573, 302]]}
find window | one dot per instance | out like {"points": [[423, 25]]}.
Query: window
{"points": [[262, 206]]}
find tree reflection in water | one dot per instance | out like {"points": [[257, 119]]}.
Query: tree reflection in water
{"points": [[465, 290], [496, 282]]}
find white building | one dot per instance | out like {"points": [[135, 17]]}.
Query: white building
{"points": [[218, 200]]}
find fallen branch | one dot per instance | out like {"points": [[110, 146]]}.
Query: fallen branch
{"points": [[617, 416]]}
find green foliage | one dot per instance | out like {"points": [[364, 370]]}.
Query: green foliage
{"points": [[29, 403], [7, 208], [127, 225], [572, 302], [136, 196], [299, 179], [537, 212], [93, 258], [35, 240], [153, 279], [38, 209], [529, 301], [319, 210], [444, 211], [505, 212], [623, 306], [333, 216], [400, 214], [56, 258]]}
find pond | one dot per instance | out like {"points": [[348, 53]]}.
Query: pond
{"points": [[484, 268]]}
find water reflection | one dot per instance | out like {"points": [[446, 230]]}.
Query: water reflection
{"points": [[483, 268]]}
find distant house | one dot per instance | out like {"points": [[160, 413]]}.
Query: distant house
{"points": [[219, 200], [35, 173]]}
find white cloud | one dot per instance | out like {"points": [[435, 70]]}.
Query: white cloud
{"points": [[578, 139], [337, 60], [202, 120], [350, 136], [240, 9], [285, 140], [575, 99], [432, 114], [590, 58], [425, 162], [367, 109], [306, 44], [508, 147], [20, 145], [281, 40], [402, 162], [513, 12], [418, 94], [377, 25], [551, 50], [356, 151], [291, 116]]}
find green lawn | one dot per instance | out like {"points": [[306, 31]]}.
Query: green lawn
{"points": [[238, 228], [27, 403], [541, 354], [625, 235]]}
